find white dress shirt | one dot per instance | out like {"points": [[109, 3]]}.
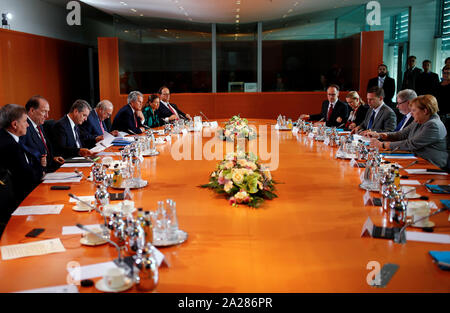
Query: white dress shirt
{"points": [[16, 139], [72, 125], [171, 108]]}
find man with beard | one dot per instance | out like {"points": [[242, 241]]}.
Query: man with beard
{"points": [[385, 82]]}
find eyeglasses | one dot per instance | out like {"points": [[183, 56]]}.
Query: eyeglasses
{"points": [[446, 73], [402, 102]]}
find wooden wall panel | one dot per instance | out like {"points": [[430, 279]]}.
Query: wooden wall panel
{"points": [[55, 69], [371, 57]]}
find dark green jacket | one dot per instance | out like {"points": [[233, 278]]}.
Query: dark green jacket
{"points": [[151, 118]]}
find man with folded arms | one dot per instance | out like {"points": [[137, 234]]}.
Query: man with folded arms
{"points": [[68, 140], [169, 111], [380, 117], [334, 111], [128, 119], [26, 170], [95, 127], [35, 139]]}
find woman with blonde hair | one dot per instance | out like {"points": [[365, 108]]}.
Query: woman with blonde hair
{"points": [[359, 110], [425, 137]]}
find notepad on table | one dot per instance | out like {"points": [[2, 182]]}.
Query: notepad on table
{"points": [[38, 210], [424, 171], [31, 249]]}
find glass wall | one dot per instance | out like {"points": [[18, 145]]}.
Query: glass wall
{"points": [[165, 53], [236, 57]]}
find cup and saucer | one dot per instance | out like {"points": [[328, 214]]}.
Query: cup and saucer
{"points": [[89, 239], [82, 207], [114, 280], [419, 214], [410, 192]]}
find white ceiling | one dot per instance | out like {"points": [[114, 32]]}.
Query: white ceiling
{"points": [[225, 11]]}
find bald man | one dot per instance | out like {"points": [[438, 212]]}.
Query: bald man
{"points": [[94, 127]]}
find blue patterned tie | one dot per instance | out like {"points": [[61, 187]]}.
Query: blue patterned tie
{"points": [[371, 120], [399, 126]]}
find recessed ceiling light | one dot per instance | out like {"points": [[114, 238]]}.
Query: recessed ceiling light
{"points": [[123, 3], [237, 16], [238, 10], [126, 31], [237, 21], [165, 30], [142, 14], [134, 10]]}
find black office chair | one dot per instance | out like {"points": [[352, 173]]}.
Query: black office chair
{"points": [[7, 203]]}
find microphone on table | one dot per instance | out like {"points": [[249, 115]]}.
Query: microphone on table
{"points": [[400, 236], [411, 164], [342, 125], [204, 116], [80, 226], [132, 132]]}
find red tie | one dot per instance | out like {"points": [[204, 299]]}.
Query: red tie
{"points": [[135, 120], [171, 109], [330, 110], [42, 138], [101, 126]]}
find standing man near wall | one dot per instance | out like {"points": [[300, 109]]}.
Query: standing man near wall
{"points": [[411, 74], [384, 81]]}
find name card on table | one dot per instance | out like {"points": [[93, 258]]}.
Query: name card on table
{"points": [[327, 141], [311, 135], [369, 229], [353, 162], [214, 124], [295, 130], [367, 198]]}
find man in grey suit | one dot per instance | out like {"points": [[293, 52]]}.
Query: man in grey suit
{"points": [[380, 117], [425, 137]]}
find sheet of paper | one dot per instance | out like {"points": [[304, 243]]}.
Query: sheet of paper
{"points": [[60, 175], [54, 289], [97, 149], [83, 198], [73, 230], [109, 154], [77, 165], [38, 210], [399, 157], [91, 271], [57, 181], [423, 171], [409, 182], [122, 134], [32, 248], [427, 237]]}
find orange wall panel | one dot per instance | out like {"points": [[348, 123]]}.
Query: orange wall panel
{"points": [[252, 105]]}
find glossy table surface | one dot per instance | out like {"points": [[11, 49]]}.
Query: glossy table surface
{"points": [[306, 240]]}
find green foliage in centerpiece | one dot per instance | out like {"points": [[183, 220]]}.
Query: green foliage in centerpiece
{"points": [[242, 179], [237, 127]]}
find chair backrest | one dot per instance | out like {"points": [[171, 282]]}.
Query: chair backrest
{"points": [[7, 203]]}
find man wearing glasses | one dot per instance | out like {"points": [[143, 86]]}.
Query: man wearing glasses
{"points": [[94, 127], [334, 111], [169, 111], [404, 97]]}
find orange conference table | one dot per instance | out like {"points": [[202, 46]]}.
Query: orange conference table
{"points": [[307, 240]]}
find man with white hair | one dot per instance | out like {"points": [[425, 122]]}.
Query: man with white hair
{"points": [[404, 98], [127, 120], [94, 127]]}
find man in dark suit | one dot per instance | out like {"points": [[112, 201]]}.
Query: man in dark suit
{"points": [[25, 168], [94, 127], [385, 82], [404, 98], [169, 111], [334, 112], [380, 117], [411, 74], [67, 138], [36, 139], [128, 119], [428, 82]]}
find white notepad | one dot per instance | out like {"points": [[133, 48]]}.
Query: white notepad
{"points": [[38, 209], [31, 249]]}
